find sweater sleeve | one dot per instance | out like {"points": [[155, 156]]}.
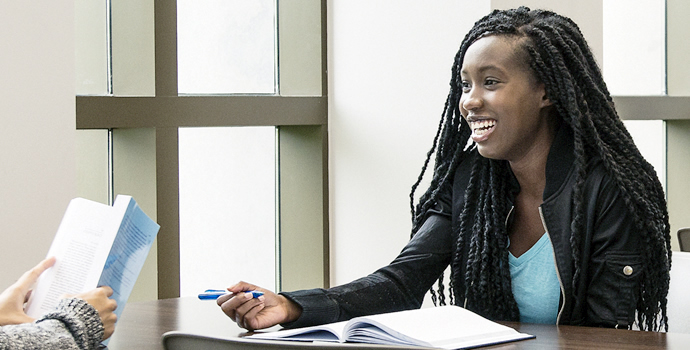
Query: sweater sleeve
{"points": [[74, 324]]}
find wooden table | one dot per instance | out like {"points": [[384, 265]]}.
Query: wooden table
{"points": [[143, 323]]}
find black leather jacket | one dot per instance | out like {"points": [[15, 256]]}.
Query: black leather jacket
{"points": [[610, 265]]}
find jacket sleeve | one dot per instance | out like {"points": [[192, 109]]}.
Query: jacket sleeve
{"points": [[74, 324], [399, 286]]}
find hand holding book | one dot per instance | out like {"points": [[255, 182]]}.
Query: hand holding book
{"points": [[95, 245]]}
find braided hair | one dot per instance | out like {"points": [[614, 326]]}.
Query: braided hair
{"points": [[560, 59]]}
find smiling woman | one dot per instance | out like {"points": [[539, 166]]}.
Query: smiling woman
{"points": [[558, 163], [534, 176], [502, 97]]}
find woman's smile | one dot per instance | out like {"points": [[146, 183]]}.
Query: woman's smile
{"points": [[481, 129]]}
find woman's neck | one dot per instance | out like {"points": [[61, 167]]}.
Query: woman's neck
{"points": [[530, 170], [531, 174]]}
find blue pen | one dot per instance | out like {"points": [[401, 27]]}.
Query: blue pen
{"points": [[212, 294]]}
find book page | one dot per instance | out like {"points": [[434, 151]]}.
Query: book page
{"points": [[80, 246], [129, 250], [448, 327], [326, 333]]}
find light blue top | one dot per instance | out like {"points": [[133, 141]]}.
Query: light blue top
{"points": [[535, 283]]}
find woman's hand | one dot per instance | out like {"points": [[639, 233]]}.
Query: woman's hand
{"points": [[12, 300], [99, 299], [257, 313]]}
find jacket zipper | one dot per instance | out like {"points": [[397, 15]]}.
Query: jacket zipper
{"points": [[558, 273]]}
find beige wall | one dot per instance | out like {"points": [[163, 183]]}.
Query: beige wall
{"points": [[37, 142]]}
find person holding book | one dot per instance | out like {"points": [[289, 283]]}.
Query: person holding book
{"points": [[540, 202], [78, 322]]}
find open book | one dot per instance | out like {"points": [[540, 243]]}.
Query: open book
{"points": [[445, 327], [95, 245]]}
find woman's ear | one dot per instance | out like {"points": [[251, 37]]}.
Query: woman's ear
{"points": [[545, 101]]}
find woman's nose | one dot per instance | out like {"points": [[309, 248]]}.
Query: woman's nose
{"points": [[471, 100]]}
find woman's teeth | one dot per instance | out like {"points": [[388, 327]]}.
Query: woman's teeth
{"points": [[482, 126]]}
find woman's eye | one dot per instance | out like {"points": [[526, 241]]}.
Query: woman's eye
{"points": [[465, 86], [490, 82]]}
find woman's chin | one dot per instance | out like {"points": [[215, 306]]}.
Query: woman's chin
{"points": [[488, 152]]}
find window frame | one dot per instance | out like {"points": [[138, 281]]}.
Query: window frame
{"points": [[303, 120]]}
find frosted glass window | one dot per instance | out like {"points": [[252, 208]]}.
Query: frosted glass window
{"points": [[635, 47], [650, 138], [227, 207], [93, 157], [91, 50], [226, 46]]}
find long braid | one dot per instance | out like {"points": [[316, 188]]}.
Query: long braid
{"points": [[562, 61]]}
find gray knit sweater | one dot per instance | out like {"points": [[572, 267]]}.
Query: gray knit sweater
{"points": [[74, 324]]}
